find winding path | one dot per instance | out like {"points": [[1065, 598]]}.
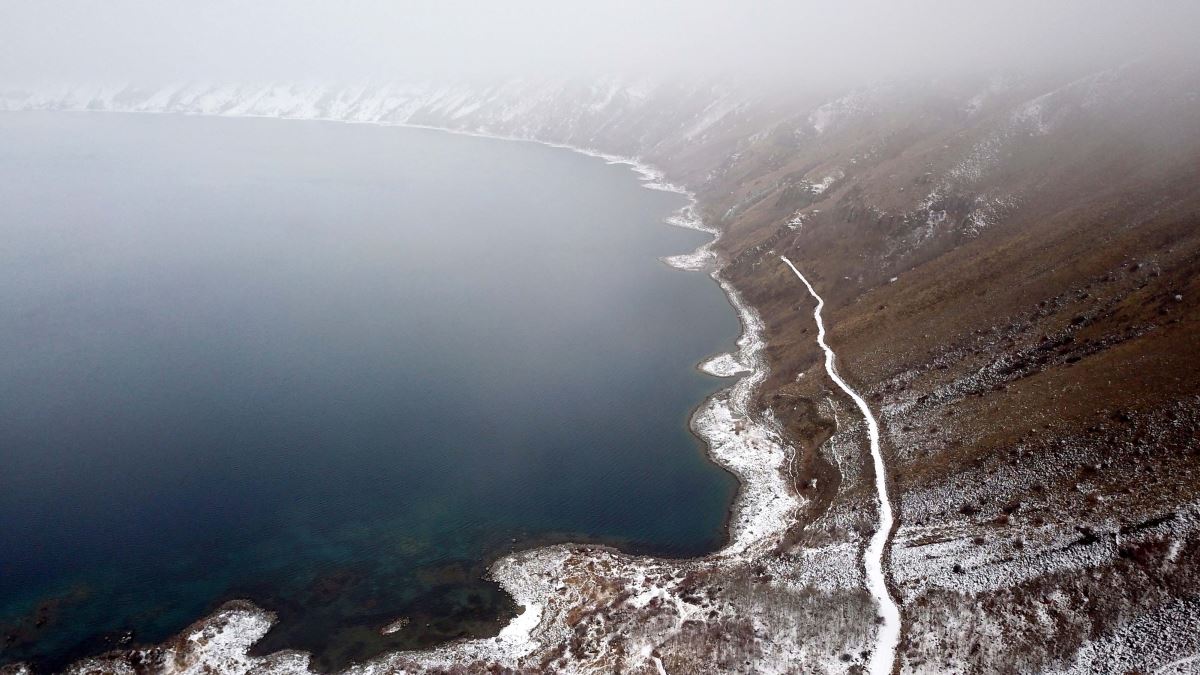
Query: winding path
{"points": [[1177, 666], [883, 657]]}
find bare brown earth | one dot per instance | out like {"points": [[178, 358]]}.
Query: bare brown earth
{"points": [[1038, 369], [1011, 270]]}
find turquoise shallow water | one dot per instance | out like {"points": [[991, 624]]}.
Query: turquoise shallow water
{"points": [[331, 368]]}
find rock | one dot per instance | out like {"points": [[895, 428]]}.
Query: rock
{"points": [[395, 626]]}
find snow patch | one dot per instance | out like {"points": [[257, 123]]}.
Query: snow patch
{"points": [[723, 365]]}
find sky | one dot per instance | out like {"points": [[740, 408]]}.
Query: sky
{"points": [[307, 40]]}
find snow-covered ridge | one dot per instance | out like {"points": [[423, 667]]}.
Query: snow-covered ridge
{"points": [[567, 112]]}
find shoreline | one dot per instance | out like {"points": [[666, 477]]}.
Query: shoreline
{"points": [[760, 505]]}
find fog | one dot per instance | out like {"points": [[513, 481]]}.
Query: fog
{"points": [[161, 40]]}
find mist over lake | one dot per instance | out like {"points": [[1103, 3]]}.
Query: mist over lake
{"points": [[333, 369]]}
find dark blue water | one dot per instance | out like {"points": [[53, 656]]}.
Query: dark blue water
{"points": [[331, 368]]}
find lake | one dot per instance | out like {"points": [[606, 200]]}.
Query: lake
{"points": [[334, 369]]}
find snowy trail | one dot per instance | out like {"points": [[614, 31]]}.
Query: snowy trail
{"points": [[1177, 666], [884, 655]]}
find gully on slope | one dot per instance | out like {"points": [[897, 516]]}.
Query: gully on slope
{"points": [[884, 655]]}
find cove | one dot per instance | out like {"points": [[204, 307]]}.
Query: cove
{"points": [[333, 369]]}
